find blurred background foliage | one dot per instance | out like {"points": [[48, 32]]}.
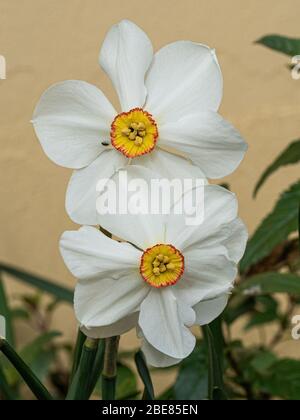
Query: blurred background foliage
{"points": [[267, 293]]}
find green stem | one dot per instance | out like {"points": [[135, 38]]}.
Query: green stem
{"points": [[215, 373], [77, 353], [109, 374], [29, 377], [80, 386], [98, 365]]}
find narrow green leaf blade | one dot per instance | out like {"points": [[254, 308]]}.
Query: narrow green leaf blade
{"points": [[283, 44], [274, 229], [41, 283], [215, 373], [289, 156], [271, 283], [37, 388], [144, 375]]}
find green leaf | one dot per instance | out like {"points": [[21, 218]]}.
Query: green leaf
{"points": [[145, 375], [20, 313], [6, 312], [271, 283], [23, 369], [41, 283], [289, 156], [283, 44], [274, 229], [283, 379], [238, 306], [37, 354], [264, 312], [215, 372], [192, 380], [126, 382]]}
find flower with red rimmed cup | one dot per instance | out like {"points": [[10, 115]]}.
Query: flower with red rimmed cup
{"points": [[168, 120], [162, 278]]}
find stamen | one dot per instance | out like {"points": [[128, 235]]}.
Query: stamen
{"points": [[132, 135], [138, 141], [156, 271]]}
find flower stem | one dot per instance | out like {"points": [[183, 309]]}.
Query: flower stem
{"points": [[80, 387], [77, 353], [109, 374], [98, 365], [29, 377]]}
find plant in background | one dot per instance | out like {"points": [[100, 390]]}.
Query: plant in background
{"points": [[220, 366]]}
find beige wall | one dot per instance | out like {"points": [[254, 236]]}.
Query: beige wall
{"points": [[45, 41]]}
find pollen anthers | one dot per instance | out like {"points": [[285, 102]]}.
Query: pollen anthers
{"points": [[134, 133], [162, 265]]}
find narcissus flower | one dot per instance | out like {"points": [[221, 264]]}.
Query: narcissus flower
{"points": [[168, 120], [165, 278]]}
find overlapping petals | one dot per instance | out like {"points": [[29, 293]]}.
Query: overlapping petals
{"points": [[111, 296], [181, 86]]}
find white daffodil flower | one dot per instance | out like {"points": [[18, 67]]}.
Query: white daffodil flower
{"points": [[165, 278], [168, 120]]}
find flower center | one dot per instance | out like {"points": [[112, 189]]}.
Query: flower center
{"points": [[162, 265], [134, 133]]}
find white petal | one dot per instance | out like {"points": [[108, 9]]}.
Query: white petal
{"points": [[81, 197], [125, 56], [207, 275], [134, 223], [184, 77], [118, 328], [208, 310], [71, 120], [237, 240], [156, 358], [167, 165], [90, 255], [208, 140], [102, 302], [220, 207], [162, 323]]}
